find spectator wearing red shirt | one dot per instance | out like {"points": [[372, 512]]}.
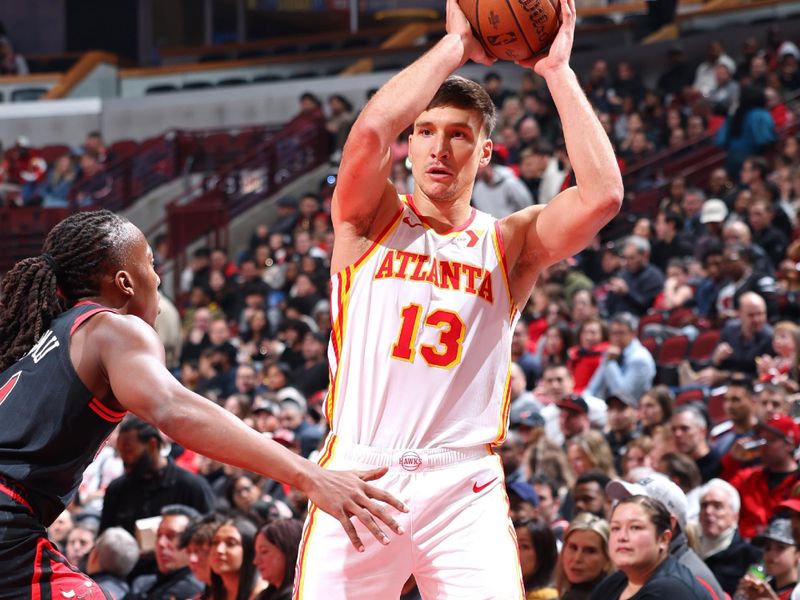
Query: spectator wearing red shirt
{"points": [[765, 487], [26, 168], [584, 358]]}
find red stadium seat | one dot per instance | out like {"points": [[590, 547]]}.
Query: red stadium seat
{"points": [[690, 396], [52, 152], [674, 349], [649, 319], [123, 149], [680, 317], [651, 344], [704, 345], [716, 411]]}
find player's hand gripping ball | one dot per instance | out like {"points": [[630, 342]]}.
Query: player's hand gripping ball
{"points": [[513, 30]]}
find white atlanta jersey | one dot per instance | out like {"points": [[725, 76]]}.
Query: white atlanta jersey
{"points": [[420, 352]]}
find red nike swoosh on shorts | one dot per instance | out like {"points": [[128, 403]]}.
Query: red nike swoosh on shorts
{"points": [[478, 488]]}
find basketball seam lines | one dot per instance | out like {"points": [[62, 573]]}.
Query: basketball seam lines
{"points": [[520, 28]]}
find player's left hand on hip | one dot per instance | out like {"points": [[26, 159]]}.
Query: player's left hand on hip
{"points": [[346, 494]]}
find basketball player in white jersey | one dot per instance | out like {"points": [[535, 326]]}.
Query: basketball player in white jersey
{"points": [[426, 293]]}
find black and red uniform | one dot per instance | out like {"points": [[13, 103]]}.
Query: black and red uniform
{"points": [[51, 428]]}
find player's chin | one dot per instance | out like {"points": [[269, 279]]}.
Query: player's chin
{"points": [[439, 192]]}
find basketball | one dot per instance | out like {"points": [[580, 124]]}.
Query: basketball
{"points": [[513, 29]]}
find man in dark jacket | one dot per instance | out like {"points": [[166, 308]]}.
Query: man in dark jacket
{"points": [[721, 546], [638, 283], [174, 579]]}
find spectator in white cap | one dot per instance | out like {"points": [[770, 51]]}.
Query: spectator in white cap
{"points": [[672, 497], [721, 546]]}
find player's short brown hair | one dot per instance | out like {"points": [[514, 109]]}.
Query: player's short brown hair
{"points": [[463, 93]]}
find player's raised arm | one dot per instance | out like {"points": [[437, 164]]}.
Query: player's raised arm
{"points": [[568, 223], [366, 159], [142, 384]]}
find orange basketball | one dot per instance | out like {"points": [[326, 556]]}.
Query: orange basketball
{"points": [[513, 29]]}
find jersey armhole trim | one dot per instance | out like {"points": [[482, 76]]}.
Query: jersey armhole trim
{"points": [[394, 222], [88, 315], [104, 412], [501, 258]]}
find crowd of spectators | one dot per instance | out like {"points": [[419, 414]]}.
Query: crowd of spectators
{"points": [[76, 177], [598, 426]]}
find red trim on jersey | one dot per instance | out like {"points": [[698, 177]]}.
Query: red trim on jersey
{"points": [[15, 496], [112, 416], [36, 591], [9, 385], [466, 224], [52, 573], [500, 243], [85, 316], [379, 238]]}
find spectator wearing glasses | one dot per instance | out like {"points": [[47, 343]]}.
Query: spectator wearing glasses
{"points": [[627, 367]]}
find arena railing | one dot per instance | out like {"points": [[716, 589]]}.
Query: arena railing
{"points": [[206, 211]]}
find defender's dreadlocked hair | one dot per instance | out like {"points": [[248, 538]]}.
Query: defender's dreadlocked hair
{"points": [[75, 256]]}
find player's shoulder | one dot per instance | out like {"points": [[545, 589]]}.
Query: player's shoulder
{"points": [[109, 327]]}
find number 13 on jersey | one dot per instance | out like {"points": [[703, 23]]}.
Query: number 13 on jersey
{"points": [[445, 354]]}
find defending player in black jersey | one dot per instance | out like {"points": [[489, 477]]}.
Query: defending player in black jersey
{"points": [[77, 351]]}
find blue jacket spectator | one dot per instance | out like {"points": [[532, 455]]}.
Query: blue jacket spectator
{"points": [[628, 367], [748, 131]]}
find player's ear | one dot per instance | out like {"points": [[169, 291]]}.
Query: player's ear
{"points": [[486, 152], [124, 283]]}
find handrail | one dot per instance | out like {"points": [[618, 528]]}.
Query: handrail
{"points": [[403, 38], [35, 78], [79, 71], [254, 62]]}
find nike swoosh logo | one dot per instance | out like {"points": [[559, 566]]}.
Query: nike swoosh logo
{"points": [[408, 222], [479, 488]]}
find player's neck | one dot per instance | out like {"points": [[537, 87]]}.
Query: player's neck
{"points": [[443, 215]]}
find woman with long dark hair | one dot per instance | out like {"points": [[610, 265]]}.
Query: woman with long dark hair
{"points": [[233, 574], [276, 550], [538, 555]]}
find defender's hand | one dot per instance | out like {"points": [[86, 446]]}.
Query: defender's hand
{"points": [[346, 494], [458, 24]]}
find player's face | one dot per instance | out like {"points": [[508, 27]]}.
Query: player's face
{"points": [[446, 148], [139, 264]]}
